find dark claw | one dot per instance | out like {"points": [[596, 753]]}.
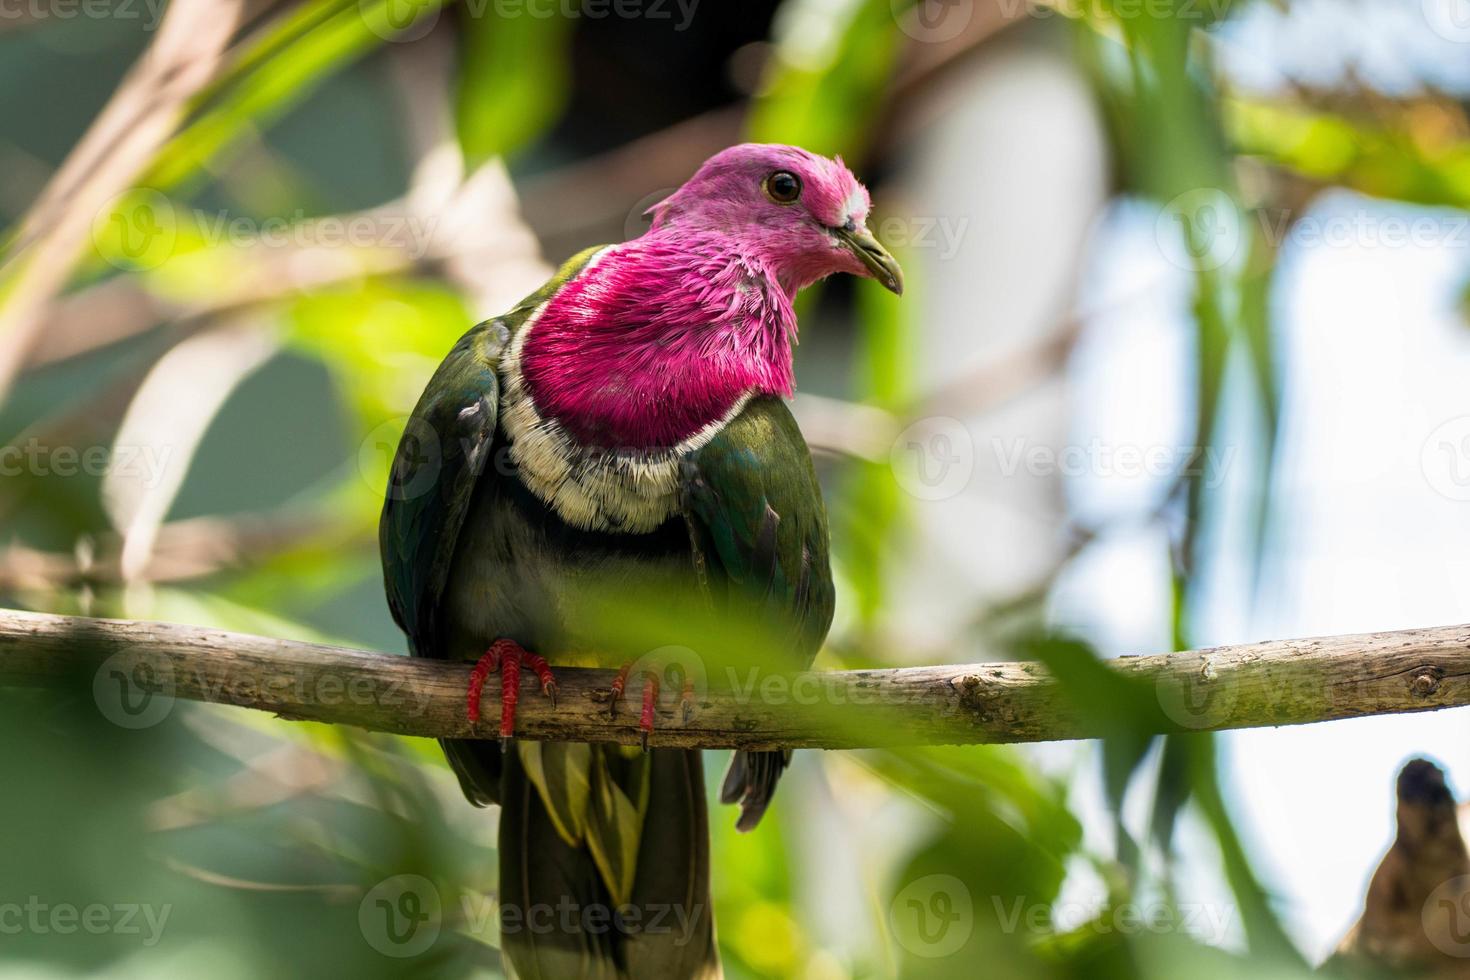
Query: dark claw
{"points": [[619, 684], [686, 701], [650, 705]]}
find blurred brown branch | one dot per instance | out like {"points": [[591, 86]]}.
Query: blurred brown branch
{"points": [[463, 227], [185, 549], [1275, 683], [566, 209], [190, 50]]}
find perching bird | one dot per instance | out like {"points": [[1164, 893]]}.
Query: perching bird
{"points": [[1415, 920], [620, 438]]}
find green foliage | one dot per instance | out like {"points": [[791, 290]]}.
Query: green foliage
{"points": [[278, 69], [828, 75], [867, 508], [1416, 157], [381, 339], [265, 837], [513, 81]]}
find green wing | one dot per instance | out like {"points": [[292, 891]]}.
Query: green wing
{"points": [[759, 526], [759, 529], [445, 446]]}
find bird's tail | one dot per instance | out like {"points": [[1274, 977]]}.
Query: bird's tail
{"points": [[751, 782], [604, 864]]}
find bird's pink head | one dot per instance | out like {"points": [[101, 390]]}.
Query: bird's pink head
{"points": [[664, 335], [801, 215]]}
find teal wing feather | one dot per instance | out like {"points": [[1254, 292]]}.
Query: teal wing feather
{"points": [[446, 444], [759, 525], [759, 530]]}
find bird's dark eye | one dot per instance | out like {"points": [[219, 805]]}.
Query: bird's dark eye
{"points": [[783, 187]]}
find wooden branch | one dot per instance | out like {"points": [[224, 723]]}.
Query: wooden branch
{"points": [[186, 549], [191, 48], [1284, 682]]}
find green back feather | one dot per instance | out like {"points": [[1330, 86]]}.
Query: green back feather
{"points": [[446, 444]]}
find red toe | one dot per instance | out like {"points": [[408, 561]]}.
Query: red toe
{"points": [[619, 684], [650, 701], [510, 690], [686, 700], [543, 673], [486, 666], [506, 656]]}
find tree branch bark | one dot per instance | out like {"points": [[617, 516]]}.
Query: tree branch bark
{"points": [[1285, 682]]}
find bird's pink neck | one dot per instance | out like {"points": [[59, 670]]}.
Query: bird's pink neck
{"points": [[658, 339]]}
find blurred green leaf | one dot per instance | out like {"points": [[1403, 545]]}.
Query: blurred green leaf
{"points": [[381, 339], [278, 70], [1420, 160], [513, 79], [868, 505], [831, 64]]}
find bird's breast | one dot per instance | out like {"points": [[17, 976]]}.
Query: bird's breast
{"points": [[593, 487], [521, 571]]}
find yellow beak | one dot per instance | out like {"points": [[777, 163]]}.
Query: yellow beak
{"points": [[874, 256]]}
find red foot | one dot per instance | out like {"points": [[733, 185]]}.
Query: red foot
{"points": [[686, 700], [650, 698], [651, 684], [618, 684], [650, 701], [507, 656], [542, 670]]}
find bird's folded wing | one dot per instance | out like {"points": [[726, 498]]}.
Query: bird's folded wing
{"points": [[759, 526], [447, 443]]}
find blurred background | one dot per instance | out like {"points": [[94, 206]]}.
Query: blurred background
{"points": [[1181, 363]]}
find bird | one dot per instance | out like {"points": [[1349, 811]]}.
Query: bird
{"points": [[1416, 911], [623, 436]]}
